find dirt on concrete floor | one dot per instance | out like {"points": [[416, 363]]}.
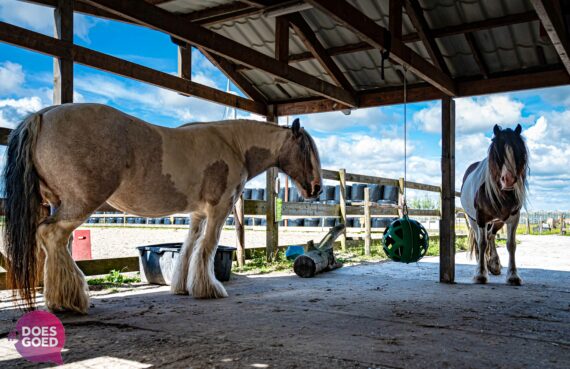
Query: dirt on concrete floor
{"points": [[376, 315]]}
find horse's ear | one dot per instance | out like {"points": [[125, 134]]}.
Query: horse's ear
{"points": [[496, 129], [518, 130], [296, 127]]}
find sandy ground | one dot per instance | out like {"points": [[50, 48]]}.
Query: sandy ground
{"points": [[122, 241], [376, 315]]}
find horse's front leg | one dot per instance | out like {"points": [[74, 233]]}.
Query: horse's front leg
{"points": [[481, 274], [512, 276], [180, 274], [494, 263], [202, 282]]}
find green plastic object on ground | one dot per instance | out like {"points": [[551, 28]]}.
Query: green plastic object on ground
{"points": [[405, 240]]}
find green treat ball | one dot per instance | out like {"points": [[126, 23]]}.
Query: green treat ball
{"points": [[405, 240]]}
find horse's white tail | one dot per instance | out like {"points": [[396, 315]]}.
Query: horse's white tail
{"points": [[22, 209]]}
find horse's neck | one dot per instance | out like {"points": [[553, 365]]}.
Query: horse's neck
{"points": [[259, 144]]}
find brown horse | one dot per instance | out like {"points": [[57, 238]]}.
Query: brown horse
{"points": [[492, 194], [66, 161]]}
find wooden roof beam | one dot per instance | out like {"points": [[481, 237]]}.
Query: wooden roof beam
{"points": [[395, 8], [309, 39], [416, 15], [174, 25], [229, 69], [506, 82], [375, 35], [58, 48], [282, 39], [550, 15]]}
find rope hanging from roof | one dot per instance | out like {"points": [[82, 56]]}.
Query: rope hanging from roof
{"points": [[386, 52]]}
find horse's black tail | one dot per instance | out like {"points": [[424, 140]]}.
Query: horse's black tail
{"points": [[22, 210]]}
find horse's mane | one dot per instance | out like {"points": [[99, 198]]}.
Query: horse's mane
{"points": [[514, 154]]}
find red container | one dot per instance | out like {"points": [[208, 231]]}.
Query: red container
{"points": [[81, 247]]}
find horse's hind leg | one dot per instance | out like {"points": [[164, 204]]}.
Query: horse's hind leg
{"points": [[180, 275], [512, 275], [202, 282], [64, 283], [481, 274]]}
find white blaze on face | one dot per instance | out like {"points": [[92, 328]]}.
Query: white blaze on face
{"points": [[509, 170]]}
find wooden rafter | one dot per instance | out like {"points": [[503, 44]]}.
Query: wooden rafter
{"points": [[53, 47], [229, 69], [416, 15], [377, 36], [477, 54], [172, 24], [282, 39], [309, 39], [395, 18], [550, 16]]}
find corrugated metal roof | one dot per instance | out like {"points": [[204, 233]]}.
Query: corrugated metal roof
{"points": [[503, 49]]}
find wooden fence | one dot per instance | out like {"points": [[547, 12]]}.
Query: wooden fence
{"points": [[365, 209]]}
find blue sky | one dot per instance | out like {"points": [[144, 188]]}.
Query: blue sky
{"points": [[368, 141]]}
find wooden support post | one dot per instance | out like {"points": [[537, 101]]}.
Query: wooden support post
{"points": [[527, 223], [401, 185], [185, 61], [240, 231], [562, 229], [367, 226], [342, 179], [63, 66], [447, 222], [272, 227]]}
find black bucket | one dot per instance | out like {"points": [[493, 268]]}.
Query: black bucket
{"points": [[157, 262]]}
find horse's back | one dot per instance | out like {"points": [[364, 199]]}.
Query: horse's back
{"points": [[86, 149], [472, 181], [469, 170]]}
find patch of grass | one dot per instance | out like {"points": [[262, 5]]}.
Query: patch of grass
{"points": [[114, 279], [257, 264]]}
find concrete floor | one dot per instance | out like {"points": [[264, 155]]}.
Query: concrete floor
{"points": [[381, 315]]}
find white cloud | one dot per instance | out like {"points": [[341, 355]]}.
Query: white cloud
{"points": [[12, 77], [12, 111], [372, 118], [40, 18], [473, 114]]}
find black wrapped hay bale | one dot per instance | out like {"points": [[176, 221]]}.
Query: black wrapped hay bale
{"points": [[329, 222], [247, 193], [312, 222], [375, 192], [391, 194], [358, 192]]}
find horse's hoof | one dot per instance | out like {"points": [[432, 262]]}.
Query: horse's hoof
{"points": [[178, 291], [494, 267], [514, 280], [480, 279], [214, 290]]}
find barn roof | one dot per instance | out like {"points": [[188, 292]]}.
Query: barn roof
{"points": [[317, 55]]}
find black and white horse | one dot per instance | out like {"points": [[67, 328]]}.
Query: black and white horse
{"points": [[492, 194]]}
